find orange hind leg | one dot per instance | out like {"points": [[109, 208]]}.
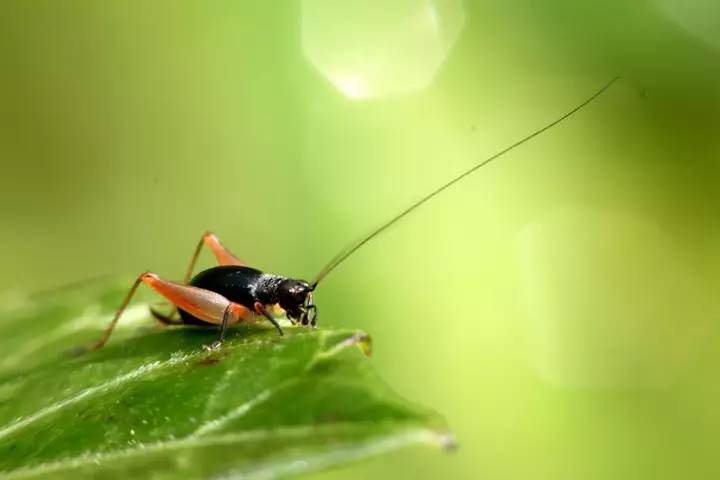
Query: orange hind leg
{"points": [[222, 254], [208, 306], [223, 257]]}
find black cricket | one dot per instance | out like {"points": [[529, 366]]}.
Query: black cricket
{"points": [[246, 286], [233, 292]]}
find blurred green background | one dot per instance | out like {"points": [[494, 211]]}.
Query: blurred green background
{"points": [[558, 307]]}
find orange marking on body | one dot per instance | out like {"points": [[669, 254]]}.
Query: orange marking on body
{"points": [[241, 313]]}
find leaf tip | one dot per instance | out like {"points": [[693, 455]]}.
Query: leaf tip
{"points": [[447, 442], [364, 343], [361, 339]]}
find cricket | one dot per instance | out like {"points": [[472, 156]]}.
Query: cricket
{"points": [[232, 292]]}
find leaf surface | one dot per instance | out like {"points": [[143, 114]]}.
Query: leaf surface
{"points": [[154, 403]]}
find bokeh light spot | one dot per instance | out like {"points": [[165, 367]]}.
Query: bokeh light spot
{"points": [[365, 54]]}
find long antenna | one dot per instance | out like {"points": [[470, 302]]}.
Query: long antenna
{"points": [[353, 247]]}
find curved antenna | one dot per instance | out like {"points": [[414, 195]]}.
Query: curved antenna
{"points": [[353, 247]]}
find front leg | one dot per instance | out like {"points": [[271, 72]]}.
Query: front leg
{"points": [[261, 310]]}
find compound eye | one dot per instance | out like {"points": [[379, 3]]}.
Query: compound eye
{"points": [[297, 292]]}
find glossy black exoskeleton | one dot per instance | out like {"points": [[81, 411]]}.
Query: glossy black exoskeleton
{"points": [[248, 286]]}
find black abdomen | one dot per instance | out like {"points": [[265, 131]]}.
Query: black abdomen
{"points": [[230, 281]]}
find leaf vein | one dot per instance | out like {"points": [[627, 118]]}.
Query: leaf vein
{"points": [[89, 392], [93, 458]]}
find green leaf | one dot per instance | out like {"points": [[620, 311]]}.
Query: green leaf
{"points": [[155, 403]]}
